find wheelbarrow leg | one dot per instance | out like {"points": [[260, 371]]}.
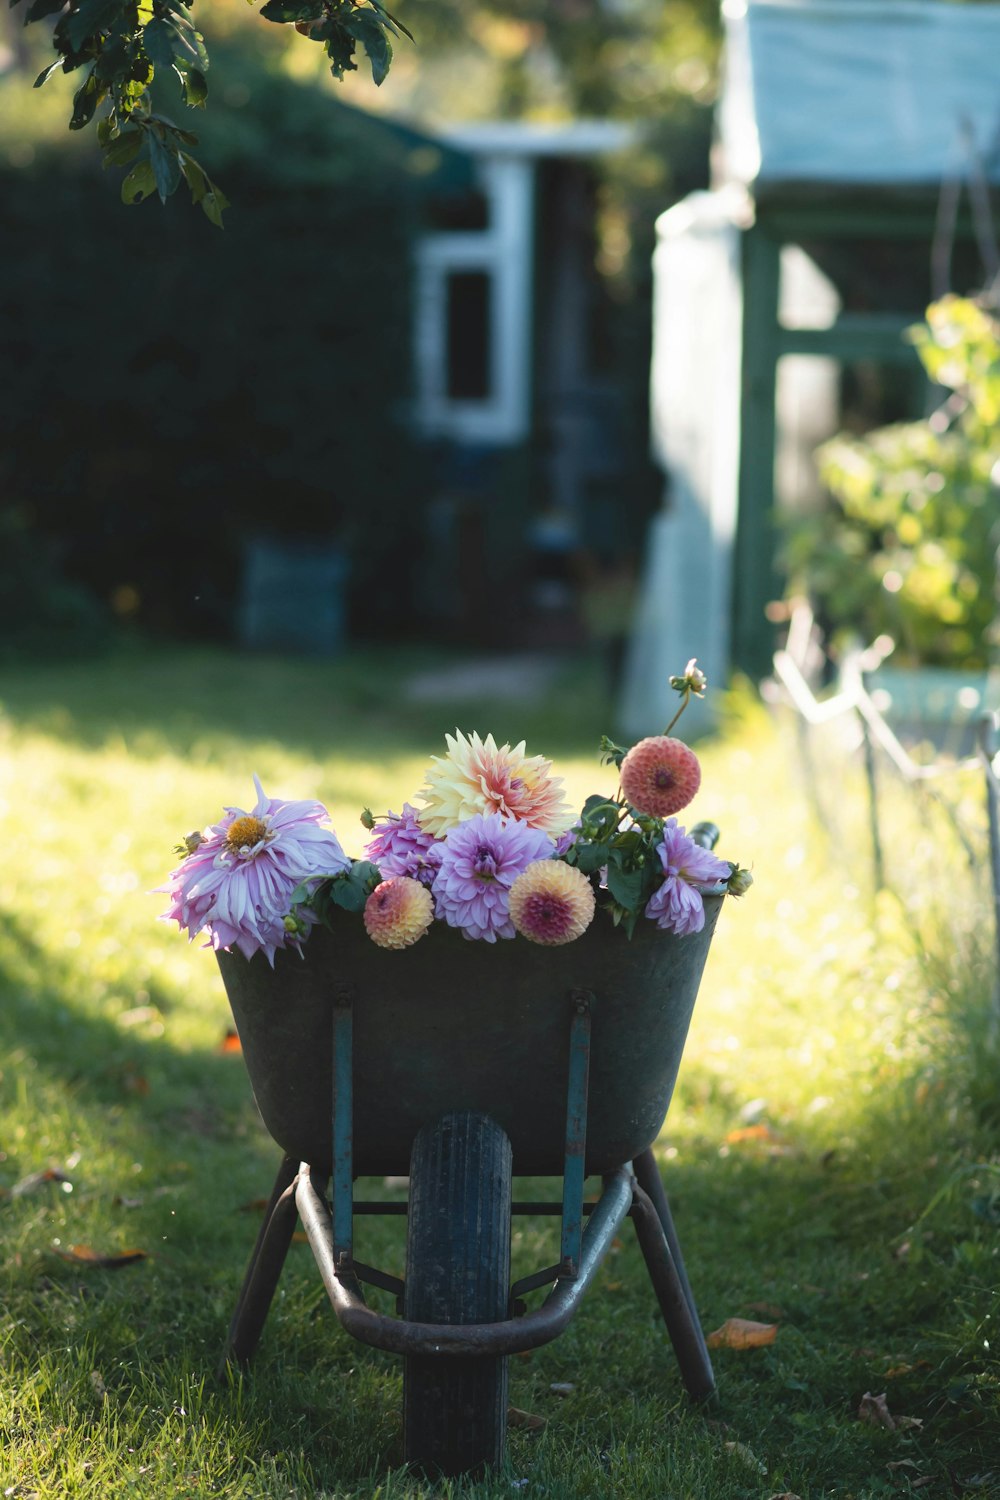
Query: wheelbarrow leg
{"points": [[264, 1268], [666, 1271]]}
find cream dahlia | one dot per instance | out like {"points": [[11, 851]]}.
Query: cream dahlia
{"points": [[551, 902], [398, 912], [478, 777], [660, 775]]}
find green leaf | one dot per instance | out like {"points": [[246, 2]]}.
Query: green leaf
{"points": [[47, 73], [139, 183], [85, 102], [213, 205], [284, 11], [93, 16], [123, 148], [588, 857], [626, 886], [369, 29], [166, 165], [159, 42], [195, 87], [40, 8]]}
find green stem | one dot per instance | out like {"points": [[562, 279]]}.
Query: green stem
{"points": [[684, 704]]}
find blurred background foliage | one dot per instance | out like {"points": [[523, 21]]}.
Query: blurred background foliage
{"points": [[174, 390], [908, 547]]}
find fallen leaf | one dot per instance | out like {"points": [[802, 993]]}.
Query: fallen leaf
{"points": [[135, 1083], [83, 1255], [903, 1463], [749, 1133], [874, 1409], [97, 1381], [742, 1333], [253, 1206], [784, 1495], [231, 1042], [562, 1388], [35, 1180], [526, 1419], [746, 1456]]}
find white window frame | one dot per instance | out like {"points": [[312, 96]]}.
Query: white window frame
{"points": [[503, 252]]}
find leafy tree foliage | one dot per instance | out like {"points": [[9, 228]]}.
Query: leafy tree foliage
{"points": [[121, 45]]}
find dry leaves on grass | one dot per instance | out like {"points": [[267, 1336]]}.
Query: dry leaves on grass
{"points": [[231, 1042], [875, 1409], [36, 1180], [742, 1333], [525, 1419], [84, 1255]]}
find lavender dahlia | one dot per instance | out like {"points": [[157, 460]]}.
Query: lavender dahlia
{"points": [[481, 859], [238, 880], [677, 905], [399, 846]]}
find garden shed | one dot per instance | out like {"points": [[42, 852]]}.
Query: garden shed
{"points": [[855, 172]]}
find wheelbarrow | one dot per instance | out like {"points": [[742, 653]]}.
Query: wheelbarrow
{"points": [[462, 1065]]}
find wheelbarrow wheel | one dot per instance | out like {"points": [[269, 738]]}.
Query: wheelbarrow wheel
{"points": [[457, 1271]]}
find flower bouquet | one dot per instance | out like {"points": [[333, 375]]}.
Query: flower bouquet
{"points": [[492, 849], [468, 1019]]}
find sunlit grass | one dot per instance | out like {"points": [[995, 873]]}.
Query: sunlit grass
{"points": [[831, 1153]]}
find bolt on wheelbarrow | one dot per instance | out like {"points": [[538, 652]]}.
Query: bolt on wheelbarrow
{"points": [[463, 1066]]}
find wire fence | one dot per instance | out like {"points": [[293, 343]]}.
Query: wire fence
{"points": [[913, 809]]}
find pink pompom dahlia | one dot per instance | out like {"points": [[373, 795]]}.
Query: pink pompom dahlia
{"points": [[687, 868], [477, 776], [659, 776], [482, 859], [398, 912], [399, 846], [239, 877], [551, 902]]}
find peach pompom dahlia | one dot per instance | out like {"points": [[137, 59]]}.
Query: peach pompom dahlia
{"points": [[659, 776], [551, 902], [398, 912]]}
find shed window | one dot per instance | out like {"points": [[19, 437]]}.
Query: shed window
{"points": [[468, 336]]}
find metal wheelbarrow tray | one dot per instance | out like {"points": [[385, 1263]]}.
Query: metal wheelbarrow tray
{"points": [[461, 1065]]}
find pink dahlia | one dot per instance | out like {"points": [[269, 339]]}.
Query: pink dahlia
{"points": [[399, 846], [477, 776], [481, 860], [551, 903], [398, 912], [238, 880], [659, 776], [687, 868]]}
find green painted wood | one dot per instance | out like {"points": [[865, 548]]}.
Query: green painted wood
{"points": [[453, 1025], [855, 336], [755, 577]]}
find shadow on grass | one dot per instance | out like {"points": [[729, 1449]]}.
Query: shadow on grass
{"points": [[210, 701]]}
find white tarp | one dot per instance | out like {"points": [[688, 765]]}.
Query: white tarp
{"points": [[855, 91]]}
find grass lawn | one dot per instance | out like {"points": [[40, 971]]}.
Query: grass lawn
{"points": [[832, 1156]]}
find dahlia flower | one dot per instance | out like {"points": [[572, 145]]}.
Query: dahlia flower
{"points": [[478, 777], [238, 880], [399, 846], [398, 912], [660, 775], [482, 858], [551, 903], [677, 905]]}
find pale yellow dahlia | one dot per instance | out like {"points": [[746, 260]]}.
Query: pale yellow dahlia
{"points": [[551, 902], [398, 912], [477, 777]]}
